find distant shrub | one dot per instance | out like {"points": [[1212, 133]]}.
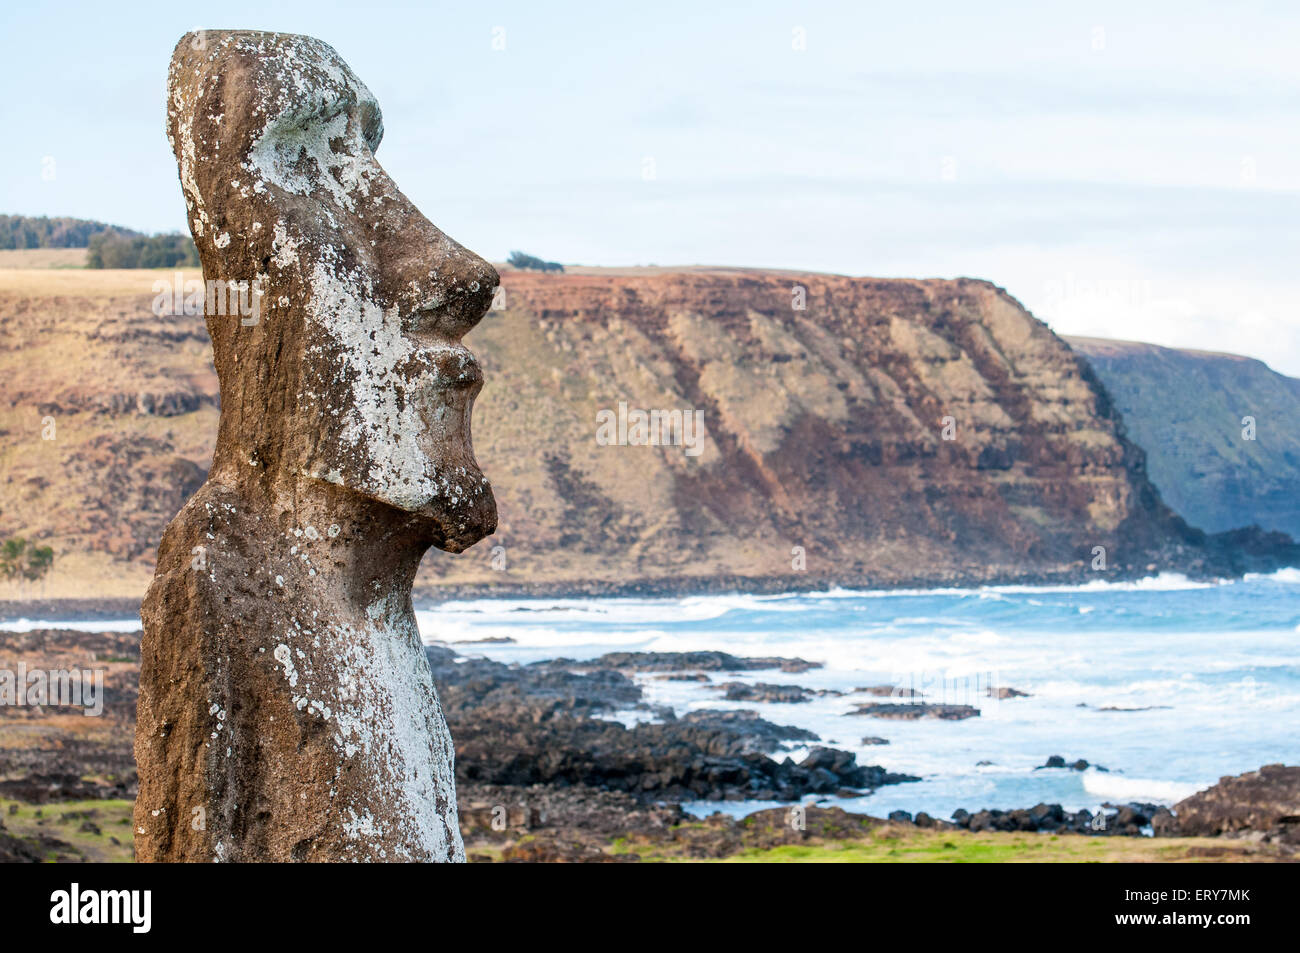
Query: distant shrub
{"points": [[22, 231], [110, 250], [23, 560], [518, 259]]}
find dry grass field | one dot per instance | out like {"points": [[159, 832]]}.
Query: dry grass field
{"points": [[107, 416], [42, 258]]}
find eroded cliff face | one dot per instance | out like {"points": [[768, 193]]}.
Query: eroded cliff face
{"points": [[824, 428], [894, 430], [108, 415]]}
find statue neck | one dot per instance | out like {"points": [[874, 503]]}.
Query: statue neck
{"points": [[332, 546]]}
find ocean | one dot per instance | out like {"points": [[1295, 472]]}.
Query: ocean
{"points": [[1215, 666], [1209, 673]]}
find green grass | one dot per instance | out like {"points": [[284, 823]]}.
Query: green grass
{"points": [[63, 820], [894, 844], [889, 843], [897, 846]]}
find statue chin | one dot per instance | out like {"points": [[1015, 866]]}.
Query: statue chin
{"points": [[467, 517], [461, 513]]}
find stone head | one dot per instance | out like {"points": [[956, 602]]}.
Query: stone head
{"points": [[348, 368]]}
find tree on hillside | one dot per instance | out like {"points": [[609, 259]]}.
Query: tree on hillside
{"points": [[519, 259], [11, 553], [21, 560], [108, 246], [110, 250], [25, 231]]}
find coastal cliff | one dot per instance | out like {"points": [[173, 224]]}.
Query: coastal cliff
{"points": [[897, 432], [854, 431], [1219, 430]]}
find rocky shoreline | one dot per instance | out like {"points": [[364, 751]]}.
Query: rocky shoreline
{"points": [[550, 723], [547, 768], [69, 610]]}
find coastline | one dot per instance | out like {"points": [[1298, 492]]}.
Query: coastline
{"points": [[545, 774], [90, 609]]}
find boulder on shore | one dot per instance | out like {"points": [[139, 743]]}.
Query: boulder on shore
{"points": [[914, 712], [1265, 801]]}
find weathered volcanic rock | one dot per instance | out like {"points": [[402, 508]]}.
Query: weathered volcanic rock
{"points": [[1126, 820], [14, 850], [1079, 764], [286, 708], [764, 692], [54, 752], [888, 691], [683, 677], [1266, 801], [916, 711], [698, 661], [518, 726]]}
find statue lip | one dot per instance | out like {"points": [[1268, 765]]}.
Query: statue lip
{"points": [[468, 374]]}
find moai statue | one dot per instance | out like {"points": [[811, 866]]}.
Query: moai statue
{"points": [[287, 711]]}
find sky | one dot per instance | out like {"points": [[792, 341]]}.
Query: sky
{"points": [[1125, 170]]}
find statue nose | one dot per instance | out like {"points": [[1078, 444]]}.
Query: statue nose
{"points": [[471, 295], [438, 283], [459, 305], [458, 291]]}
